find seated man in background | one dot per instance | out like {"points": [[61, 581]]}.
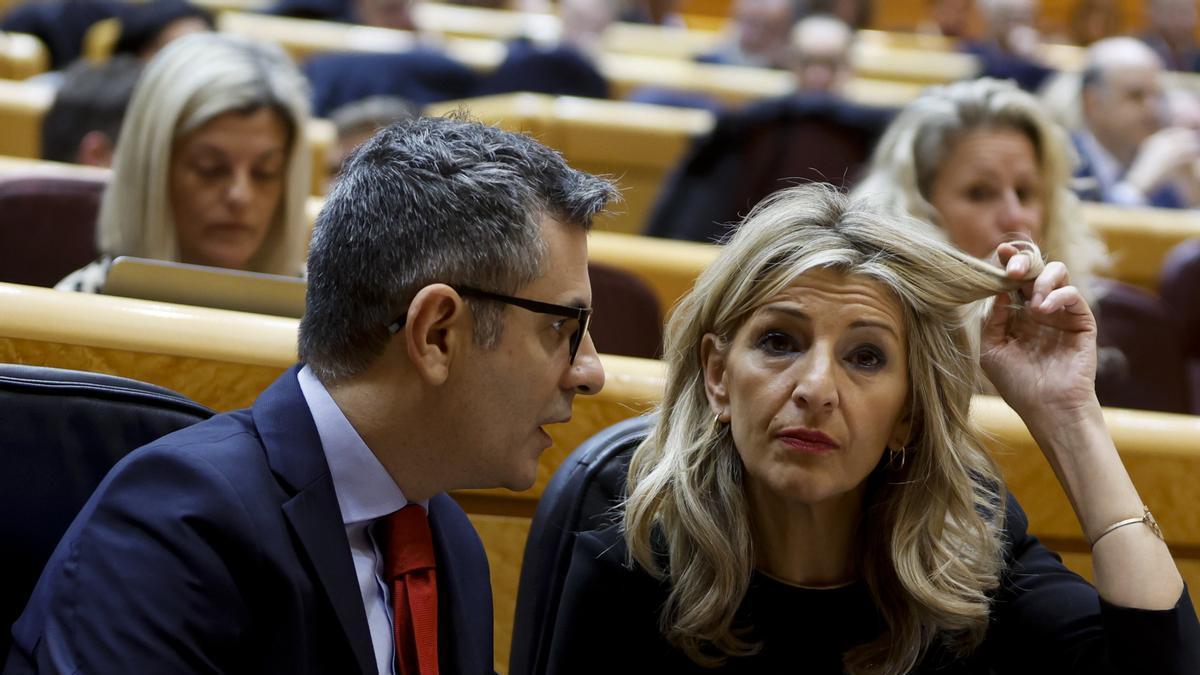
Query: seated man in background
{"points": [[758, 35], [82, 124], [358, 121], [147, 28], [446, 325], [1129, 154], [821, 54], [1008, 48], [568, 67]]}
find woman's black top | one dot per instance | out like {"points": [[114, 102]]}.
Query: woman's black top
{"points": [[1044, 619]]}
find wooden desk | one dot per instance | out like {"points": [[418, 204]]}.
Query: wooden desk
{"points": [[637, 144], [24, 104], [22, 56], [732, 85], [1138, 239], [872, 58]]}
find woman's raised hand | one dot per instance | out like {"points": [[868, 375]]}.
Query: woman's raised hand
{"points": [[1040, 354]]}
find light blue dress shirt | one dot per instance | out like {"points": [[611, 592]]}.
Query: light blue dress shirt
{"points": [[365, 493]]}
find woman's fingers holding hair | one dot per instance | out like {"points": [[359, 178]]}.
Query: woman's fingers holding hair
{"points": [[1016, 266], [1055, 275], [1066, 298]]}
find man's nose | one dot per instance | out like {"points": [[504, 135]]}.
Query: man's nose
{"points": [[586, 375]]}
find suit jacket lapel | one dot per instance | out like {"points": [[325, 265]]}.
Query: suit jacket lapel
{"points": [[464, 604], [295, 454]]}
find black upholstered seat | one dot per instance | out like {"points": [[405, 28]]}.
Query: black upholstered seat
{"points": [[60, 433], [581, 496]]}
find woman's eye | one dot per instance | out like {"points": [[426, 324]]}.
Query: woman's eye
{"points": [[559, 325], [978, 193], [868, 358], [267, 174], [208, 170], [776, 342]]}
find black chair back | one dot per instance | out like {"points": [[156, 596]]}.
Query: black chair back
{"points": [[580, 497], [62, 430], [47, 227], [756, 151]]}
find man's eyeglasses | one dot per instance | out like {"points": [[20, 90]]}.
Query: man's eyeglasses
{"points": [[581, 315]]}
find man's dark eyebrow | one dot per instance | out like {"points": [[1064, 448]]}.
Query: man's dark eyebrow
{"points": [[861, 323]]}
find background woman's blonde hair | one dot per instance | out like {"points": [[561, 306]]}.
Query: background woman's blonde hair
{"points": [[930, 537], [188, 83], [912, 150]]}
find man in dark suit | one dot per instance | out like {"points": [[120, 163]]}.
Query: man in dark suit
{"points": [[1129, 153], [446, 324]]}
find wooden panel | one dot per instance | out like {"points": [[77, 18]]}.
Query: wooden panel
{"points": [[504, 538], [1139, 238], [220, 385], [670, 267], [637, 144], [22, 56], [625, 72], [22, 106]]}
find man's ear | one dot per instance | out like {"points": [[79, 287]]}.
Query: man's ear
{"points": [[95, 149], [436, 330], [712, 357]]}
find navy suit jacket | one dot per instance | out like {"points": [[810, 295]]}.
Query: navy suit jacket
{"points": [[221, 548], [1165, 197]]}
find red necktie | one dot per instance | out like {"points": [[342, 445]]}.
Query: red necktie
{"points": [[412, 575]]}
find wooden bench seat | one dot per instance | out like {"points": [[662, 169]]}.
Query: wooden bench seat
{"points": [[733, 85]]}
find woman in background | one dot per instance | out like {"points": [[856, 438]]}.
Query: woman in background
{"points": [[212, 167], [981, 162]]}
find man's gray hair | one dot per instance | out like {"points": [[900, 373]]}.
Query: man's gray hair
{"points": [[431, 200]]}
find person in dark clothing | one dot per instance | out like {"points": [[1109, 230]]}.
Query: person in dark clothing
{"points": [[147, 28], [568, 67], [813, 497], [1008, 48], [60, 24], [83, 122]]}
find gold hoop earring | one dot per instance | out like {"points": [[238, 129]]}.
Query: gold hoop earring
{"points": [[902, 452], [717, 425]]}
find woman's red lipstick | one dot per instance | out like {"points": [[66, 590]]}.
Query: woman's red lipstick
{"points": [[808, 440]]}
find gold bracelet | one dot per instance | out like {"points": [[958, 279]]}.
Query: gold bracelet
{"points": [[1147, 519]]}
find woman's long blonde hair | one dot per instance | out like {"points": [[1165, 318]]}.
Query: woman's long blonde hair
{"points": [[930, 536], [191, 81], [907, 159]]}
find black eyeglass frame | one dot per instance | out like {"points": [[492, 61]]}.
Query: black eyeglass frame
{"points": [[581, 314]]}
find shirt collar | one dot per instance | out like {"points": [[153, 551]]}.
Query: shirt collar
{"points": [[365, 491]]}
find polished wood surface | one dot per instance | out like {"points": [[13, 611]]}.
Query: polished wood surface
{"points": [[22, 56], [1138, 238], [625, 72], [636, 144]]}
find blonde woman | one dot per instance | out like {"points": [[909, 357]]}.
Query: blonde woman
{"points": [[981, 162], [978, 162], [812, 498], [212, 167]]}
